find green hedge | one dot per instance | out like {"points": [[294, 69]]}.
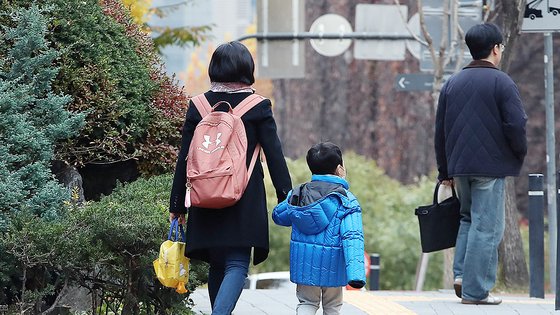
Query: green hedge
{"points": [[106, 247], [125, 231]]}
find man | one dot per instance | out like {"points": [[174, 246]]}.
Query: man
{"points": [[479, 140]]}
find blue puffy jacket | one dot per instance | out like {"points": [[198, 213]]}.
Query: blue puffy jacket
{"points": [[327, 245]]}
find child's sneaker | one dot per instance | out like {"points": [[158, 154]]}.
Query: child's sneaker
{"points": [[458, 286]]}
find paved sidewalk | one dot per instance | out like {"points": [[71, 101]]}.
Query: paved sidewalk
{"points": [[443, 302], [263, 302]]}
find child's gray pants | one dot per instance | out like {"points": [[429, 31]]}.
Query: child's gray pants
{"points": [[309, 298]]}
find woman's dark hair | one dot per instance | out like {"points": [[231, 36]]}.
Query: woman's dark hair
{"points": [[323, 158], [232, 62], [481, 38]]}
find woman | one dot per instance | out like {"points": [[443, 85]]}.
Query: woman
{"points": [[224, 238]]}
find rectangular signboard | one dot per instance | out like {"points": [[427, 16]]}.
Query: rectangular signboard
{"points": [[414, 82], [280, 59], [381, 19], [541, 16]]}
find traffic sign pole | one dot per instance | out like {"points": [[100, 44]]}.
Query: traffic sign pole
{"points": [[551, 161], [544, 19], [309, 35]]}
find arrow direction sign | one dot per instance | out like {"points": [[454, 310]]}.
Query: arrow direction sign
{"points": [[414, 82]]}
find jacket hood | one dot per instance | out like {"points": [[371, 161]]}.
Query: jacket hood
{"points": [[311, 204]]}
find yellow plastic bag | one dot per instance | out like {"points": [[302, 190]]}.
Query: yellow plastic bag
{"points": [[172, 267]]}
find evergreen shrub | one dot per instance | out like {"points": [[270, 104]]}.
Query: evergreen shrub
{"points": [[107, 78], [158, 151], [32, 119], [112, 72], [116, 241]]}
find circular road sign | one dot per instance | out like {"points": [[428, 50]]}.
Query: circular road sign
{"points": [[330, 23]]}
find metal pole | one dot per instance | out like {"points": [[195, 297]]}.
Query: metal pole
{"points": [[536, 236], [308, 35], [374, 270], [557, 301], [422, 268], [550, 161]]}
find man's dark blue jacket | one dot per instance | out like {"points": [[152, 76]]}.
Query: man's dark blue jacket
{"points": [[480, 124]]}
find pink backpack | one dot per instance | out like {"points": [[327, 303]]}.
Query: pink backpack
{"points": [[217, 172]]}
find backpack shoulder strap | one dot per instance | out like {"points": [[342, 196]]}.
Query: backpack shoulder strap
{"points": [[247, 104], [201, 104], [253, 161]]}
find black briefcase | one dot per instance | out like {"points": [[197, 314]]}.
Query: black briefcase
{"points": [[439, 223]]}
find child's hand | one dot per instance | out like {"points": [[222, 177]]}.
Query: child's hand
{"points": [[356, 284]]}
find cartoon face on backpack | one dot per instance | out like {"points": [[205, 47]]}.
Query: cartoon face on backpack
{"points": [[217, 173]]}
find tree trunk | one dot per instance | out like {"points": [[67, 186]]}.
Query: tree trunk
{"points": [[511, 255], [130, 301], [514, 272], [24, 280], [70, 178], [511, 15]]}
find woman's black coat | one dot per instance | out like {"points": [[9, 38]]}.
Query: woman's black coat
{"points": [[244, 224]]}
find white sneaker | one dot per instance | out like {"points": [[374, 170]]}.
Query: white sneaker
{"points": [[489, 300], [458, 286]]}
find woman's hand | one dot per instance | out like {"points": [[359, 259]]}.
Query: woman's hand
{"points": [[180, 216], [447, 182]]}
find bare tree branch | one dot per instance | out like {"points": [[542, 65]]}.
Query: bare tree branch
{"points": [[405, 20], [425, 32]]}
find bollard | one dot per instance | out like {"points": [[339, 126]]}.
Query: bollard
{"points": [[557, 295], [374, 269], [536, 236]]}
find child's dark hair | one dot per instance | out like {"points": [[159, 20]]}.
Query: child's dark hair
{"points": [[323, 158]]}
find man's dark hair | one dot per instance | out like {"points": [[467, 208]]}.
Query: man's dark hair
{"points": [[481, 38], [232, 62], [323, 158]]}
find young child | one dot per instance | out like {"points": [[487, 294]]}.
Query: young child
{"points": [[327, 243]]}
